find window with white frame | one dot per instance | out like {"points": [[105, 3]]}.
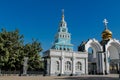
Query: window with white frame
{"points": [[78, 66], [68, 66]]}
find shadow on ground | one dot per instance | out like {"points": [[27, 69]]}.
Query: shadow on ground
{"points": [[87, 78]]}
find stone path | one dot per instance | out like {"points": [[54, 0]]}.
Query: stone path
{"points": [[82, 77]]}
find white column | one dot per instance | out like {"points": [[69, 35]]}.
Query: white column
{"points": [[103, 64], [107, 63], [108, 66], [73, 63], [101, 57], [86, 67], [62, 63], [98, 63], [48, 66]]}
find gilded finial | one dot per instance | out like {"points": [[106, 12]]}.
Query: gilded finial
{"points": [[62, 14]]}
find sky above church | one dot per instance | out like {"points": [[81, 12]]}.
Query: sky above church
{"points": [[39, 19]]}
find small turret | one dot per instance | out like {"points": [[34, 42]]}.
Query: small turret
{"points": [[63, 22]]}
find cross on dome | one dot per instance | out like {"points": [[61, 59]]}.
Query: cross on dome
{"points": [[105, 23], [106, 34]]}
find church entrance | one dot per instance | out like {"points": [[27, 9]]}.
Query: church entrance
{"points": [[92, 67], [92, 46], [113, 60], [114, 67]]}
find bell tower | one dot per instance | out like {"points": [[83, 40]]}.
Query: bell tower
{"points": [[63, 37]]}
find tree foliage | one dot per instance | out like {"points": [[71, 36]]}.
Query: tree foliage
{"points": [[33, 49], [13, 50]]}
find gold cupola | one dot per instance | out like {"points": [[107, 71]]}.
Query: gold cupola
{"points": [[106, 34]]}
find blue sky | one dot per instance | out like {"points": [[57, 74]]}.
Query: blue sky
{"points": [[39, 19]]}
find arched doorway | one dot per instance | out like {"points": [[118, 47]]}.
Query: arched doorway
{"points": [[113, 59], [92, 64], [112, 56], [93, 47]]}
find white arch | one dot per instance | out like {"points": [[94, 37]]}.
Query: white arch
{"points": [[113, 52], [112, 49], [94, 44], [115, 43]]}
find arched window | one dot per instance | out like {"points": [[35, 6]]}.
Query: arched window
{"points": [[60, 36], [63, 36], [61, 24], [68, 66], [68, 49], [64, 49], [78, 66], [57, 66], [60, 48]]}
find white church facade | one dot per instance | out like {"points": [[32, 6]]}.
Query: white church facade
{"points": [[105, 55], [61, 59]]}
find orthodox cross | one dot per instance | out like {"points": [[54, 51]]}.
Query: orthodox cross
{"points": [[105, 23]]}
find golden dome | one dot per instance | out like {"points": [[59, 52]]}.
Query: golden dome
{"points": [[106, 34]]}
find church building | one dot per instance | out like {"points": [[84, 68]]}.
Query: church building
{"points": [[61, 59], [92, 57], [104, 55]]}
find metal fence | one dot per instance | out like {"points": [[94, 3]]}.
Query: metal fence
{"points": [[18, 73]]}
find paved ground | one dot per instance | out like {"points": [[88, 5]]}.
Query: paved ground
{"points": [[82, 77]]}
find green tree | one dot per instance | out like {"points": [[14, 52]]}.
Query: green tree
{"points": [[32, 51], [4, 54], [13, 51], [11, 43]]}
